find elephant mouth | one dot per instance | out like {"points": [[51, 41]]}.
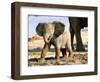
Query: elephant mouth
{"points": [[47, 40]]}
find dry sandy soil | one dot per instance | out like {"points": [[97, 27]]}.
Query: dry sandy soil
{"points": [[36, 43]]}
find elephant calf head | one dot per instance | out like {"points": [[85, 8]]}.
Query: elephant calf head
{"points": [[46, 30], [50, 30]]}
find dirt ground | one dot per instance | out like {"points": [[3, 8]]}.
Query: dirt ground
{"points": [[36, 43]]}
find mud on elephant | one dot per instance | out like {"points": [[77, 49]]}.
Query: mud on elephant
{"points": [[56, 34]]}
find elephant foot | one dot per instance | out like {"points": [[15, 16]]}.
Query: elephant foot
{"points": [[71, 55], [58, 62], [42, 61], [68, 60], [80, 49], [65, 57]]}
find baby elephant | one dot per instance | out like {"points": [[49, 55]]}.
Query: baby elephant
{"points": [[56, 34]]}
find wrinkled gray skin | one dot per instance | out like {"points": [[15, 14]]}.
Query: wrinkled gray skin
{"points": [[56, 34], [76, 24]]}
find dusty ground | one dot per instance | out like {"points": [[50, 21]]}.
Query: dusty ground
{"points": [[35, 45]]}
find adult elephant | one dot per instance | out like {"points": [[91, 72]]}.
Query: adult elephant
{"points": [[56, 34], [76, 24]]}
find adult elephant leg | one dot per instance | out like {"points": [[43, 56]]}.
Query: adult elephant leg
{"points": [[79, 43], [72, 37], [76, 27], [72, 22]]}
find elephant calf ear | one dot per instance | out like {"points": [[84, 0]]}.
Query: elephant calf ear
{"points": [[59, 28], [39, 29]]}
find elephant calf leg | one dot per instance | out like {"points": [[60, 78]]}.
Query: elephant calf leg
{"points": [[68, 46], [71, 54], [63, 50], [44, 52], [58, 56], [64, 53]]}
